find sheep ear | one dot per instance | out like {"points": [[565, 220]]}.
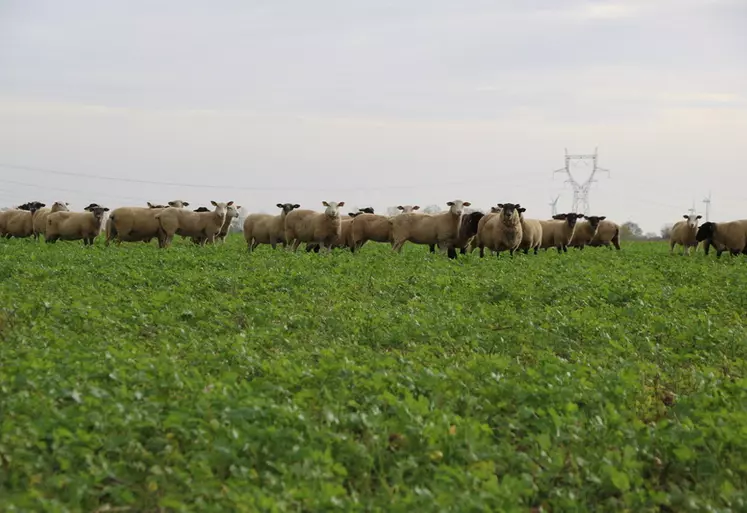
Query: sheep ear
{"points": [[466, 203], [522, 210], [279, 205], [229, 203], [239, 207], [106, 209], [212, 203], [686, 217], [325, 203], [400, 207], [499, 205], [602, 218], [341, 204], [186, 204], [296, 206], [450, 203], [580, 216], [699, 217], [67, 204]]}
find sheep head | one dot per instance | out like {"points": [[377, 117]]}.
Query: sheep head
{"points": [[333, 208], [456, 207]]}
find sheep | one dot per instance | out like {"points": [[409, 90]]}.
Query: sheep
{"points": [[440, 229], [136, 224], [67, 225], [730, 236], [531, 233], [487, 217], [607, 232], [309, 226], [366, 227], [502, 231], [558, 233], [7, 214], [40, 219], [202, 225], [585, 231], [467, 231], [20, 223], [267, 229], [367, 210], [232, 213], [683, 233]]}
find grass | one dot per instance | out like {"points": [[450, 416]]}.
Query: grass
{"points": [[134, 379]]}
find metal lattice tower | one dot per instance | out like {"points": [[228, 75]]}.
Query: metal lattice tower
{"points": [[707, 202], [554, 205], [581, 190]]}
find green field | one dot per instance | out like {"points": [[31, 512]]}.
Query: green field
{"points": [[207, 378]]}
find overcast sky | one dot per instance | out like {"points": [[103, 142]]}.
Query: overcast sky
{"points": [[378, 102]]}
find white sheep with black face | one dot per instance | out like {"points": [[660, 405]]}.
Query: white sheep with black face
{"points": [[502, 231], [314, 227], [684, 232]]}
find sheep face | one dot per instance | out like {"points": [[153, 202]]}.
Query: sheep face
{"points": [[60, 206], [35, 205], [201, 209], [354, 214], [151, 205], [221, 208], [367, 210], [692, 220], [333, 208], [91, 206], [456, 207], [510, 210], [570, 219], [98, 211], [706, 231], [232, 211], [178, 204], [288, 207], [595, 220], [408, 209], [471, 222]]}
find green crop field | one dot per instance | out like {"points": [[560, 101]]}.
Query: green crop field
{"points": [[138, 379]]}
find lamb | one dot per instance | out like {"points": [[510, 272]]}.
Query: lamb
{"points": [[136, 224], [67, 225], [683, 233], [202, 225], [21, 223], [366, 227], [531, 233], [439, 229], [309, 226], [502, 232], [40, 219], [585, 231], [558, 233], [607, 232], [267, 229], [730, 236], [467, 231]]}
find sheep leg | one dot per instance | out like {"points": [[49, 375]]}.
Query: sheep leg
{"points": [[451, 252], [397, 246], [463, 250], [432, 248], [559, 248], [296, 243], [565, 248], [482, 251]]}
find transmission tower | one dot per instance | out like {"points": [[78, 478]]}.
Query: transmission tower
{"points": [[707, 202], [581, 190], [554, 205]]}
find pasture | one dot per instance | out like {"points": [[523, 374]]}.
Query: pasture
{"points": [[135, 379]]}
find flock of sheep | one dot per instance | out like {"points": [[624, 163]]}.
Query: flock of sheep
{"points": [[504, 228]]}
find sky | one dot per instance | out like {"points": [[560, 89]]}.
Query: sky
{"points": [[376, 102]]}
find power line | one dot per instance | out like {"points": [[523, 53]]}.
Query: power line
{"points": [[75, 191]]}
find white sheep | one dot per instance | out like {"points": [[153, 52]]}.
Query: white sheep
{"points": [[683, 233], [439, 229], [314, 227]]}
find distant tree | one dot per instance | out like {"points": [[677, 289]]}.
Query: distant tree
{"points": [[666, 231], [432, 209], [631, 231]]}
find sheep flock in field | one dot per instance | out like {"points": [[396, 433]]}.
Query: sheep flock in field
{"points": [[457, 229]]}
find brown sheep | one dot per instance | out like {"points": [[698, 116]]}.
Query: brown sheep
{"points": [[683, 233], [40, 219], [730, 236], [439, 229], [607, 232], [136, 224], [314, 227], [75, 225], [202, 225], [531, 233], [502, 231], [467, 232], [366, 227], [267, 229], [231, 213], [7, 214], [558, 233], [585, 231], [20, 224]]}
